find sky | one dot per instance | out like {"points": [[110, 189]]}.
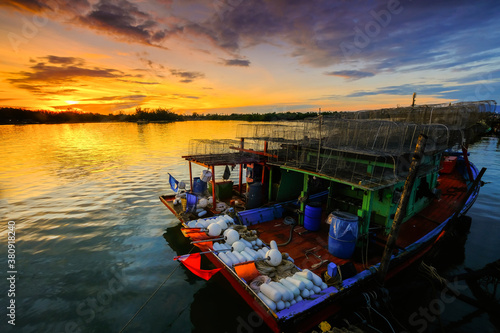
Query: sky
{"points": [[237, 56]]}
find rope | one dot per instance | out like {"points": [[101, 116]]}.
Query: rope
{"points": [[153, 294], [369, 306]]}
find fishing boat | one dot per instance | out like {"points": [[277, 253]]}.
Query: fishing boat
{"points": [[327, 207]]}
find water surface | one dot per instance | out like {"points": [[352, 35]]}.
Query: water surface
{"points": [[94, 242]]}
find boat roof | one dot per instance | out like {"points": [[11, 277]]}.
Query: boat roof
{"points": [[209, 160]]}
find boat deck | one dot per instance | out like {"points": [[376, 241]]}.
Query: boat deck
{"points": [[304, 243], [306, 246]]}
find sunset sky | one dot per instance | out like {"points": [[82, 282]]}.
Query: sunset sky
{"points": [[225, 56]]}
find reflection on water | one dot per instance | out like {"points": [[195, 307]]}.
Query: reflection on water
{"points": [[94, 241]]}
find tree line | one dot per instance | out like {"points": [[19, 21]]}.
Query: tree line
{"points": [[9, 115]]}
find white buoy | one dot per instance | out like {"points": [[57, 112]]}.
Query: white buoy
{"points": [[247, 256], [305, 274], [273, 255], [226, 259], [267, 301], [315, 279], [286, 294], [299, 284], [247, 243], [238, 246], [202, 203], [214, 229], [223, 224], [293, 288], [316, 289], [240, 257], [253, 253], [233, 258], [262, 253], [308, 283], [271, 292], [231, 236], [226, 231]]}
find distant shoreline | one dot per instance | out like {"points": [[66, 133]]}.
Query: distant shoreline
{"points": [[20, 116]]}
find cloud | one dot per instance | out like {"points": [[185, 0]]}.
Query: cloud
{"points": [[103, 108], [53, 71], [116, 98], [187, 76], [350, 74], [485, 90], [385, 36], [28, 5], [63, 60], [236, 62], [125, 20], [121, 19], [181, 96], [138, 82]]}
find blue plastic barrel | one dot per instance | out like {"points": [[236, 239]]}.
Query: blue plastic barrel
{"points": [[199, 186], [312, 216], [343, 234]]}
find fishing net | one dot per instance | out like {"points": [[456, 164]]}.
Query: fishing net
{"points": [[258, 281], [276, 273], [248, 235]]}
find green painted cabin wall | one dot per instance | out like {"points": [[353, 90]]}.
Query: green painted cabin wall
{"points": [[290, 185]]}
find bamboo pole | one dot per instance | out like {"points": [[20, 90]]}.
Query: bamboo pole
{"points": [[401, 210]]}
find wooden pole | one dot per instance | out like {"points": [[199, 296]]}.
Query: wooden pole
{"points": [[190, 177], [304, 192], [401, 210], [263, 177], [240, 186], [214, 200]]}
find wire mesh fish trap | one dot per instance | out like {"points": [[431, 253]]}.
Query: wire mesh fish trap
{"points": [[370, 152], [213, 151], [220, 152], [455, 116], [271, 132], [199, 147]]}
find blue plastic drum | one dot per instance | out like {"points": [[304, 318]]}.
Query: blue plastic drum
{"points": [[343, 234], [312, 216]]}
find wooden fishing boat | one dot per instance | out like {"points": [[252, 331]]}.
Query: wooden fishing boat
{"points": [[353, 201]]}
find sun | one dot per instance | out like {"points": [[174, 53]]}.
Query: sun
{"points": [[71, 102]]}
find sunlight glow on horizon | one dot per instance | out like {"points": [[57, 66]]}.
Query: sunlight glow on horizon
{"points": [[235, 66]]}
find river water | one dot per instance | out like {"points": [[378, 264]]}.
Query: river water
{"points": [[93, 241]]}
